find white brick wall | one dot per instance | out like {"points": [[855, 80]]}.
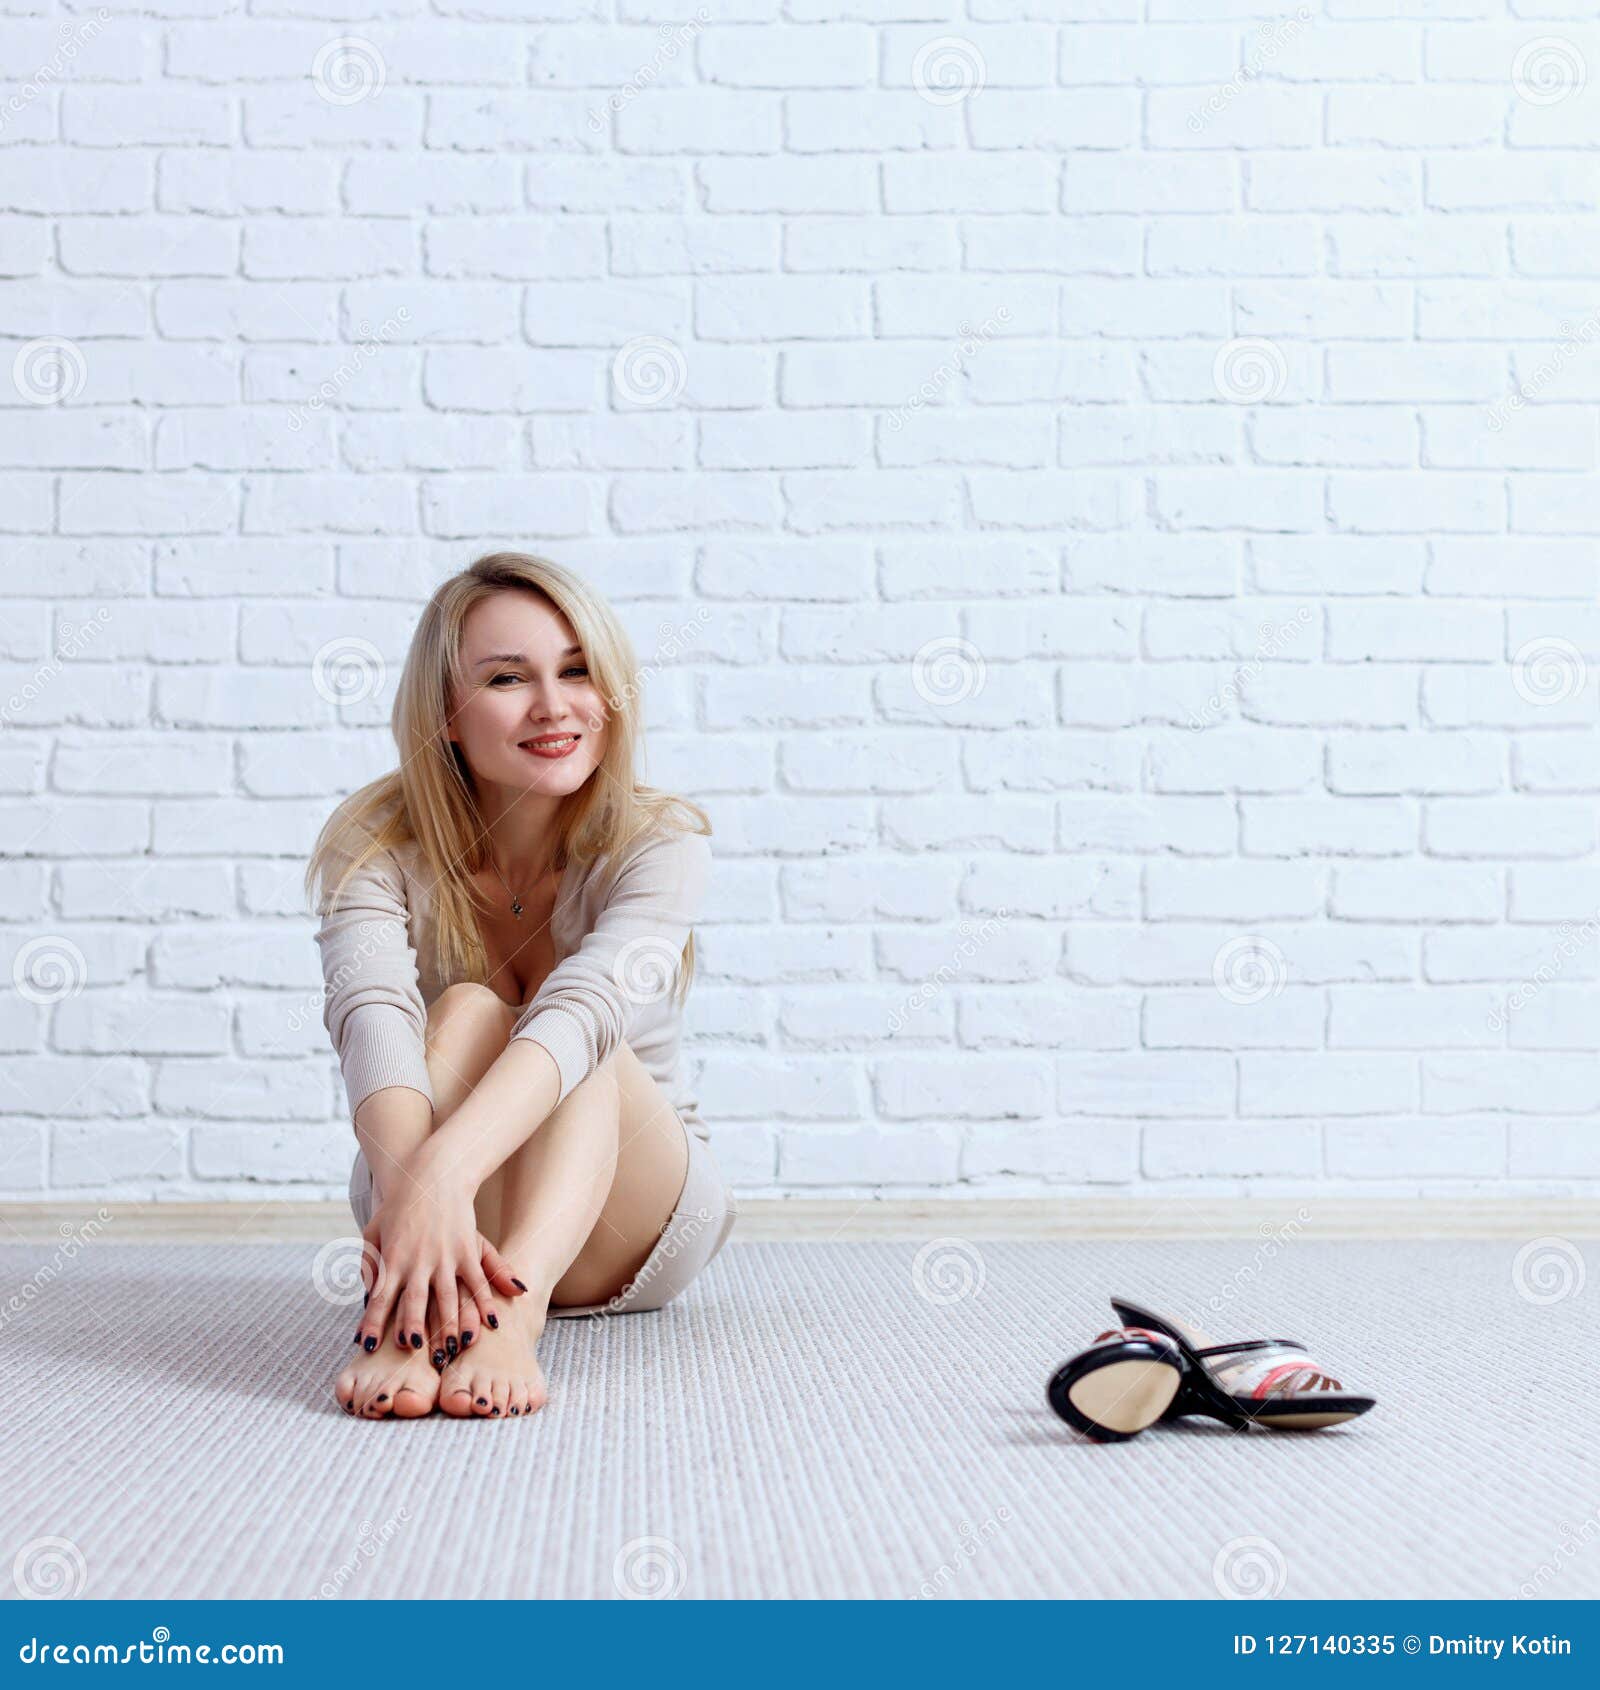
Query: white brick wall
{"points": [[1129, 464]]}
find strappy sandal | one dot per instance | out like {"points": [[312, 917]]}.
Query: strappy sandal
{"points": [[1123, 1382], [1252, 1382]]}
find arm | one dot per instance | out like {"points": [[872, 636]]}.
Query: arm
{"points": [[372, 1003], [374, 1013], [581, 1012], [392, 1124]]}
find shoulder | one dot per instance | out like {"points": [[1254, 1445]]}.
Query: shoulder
{"points": [[351, 831], [671, 859], [673, 851]]}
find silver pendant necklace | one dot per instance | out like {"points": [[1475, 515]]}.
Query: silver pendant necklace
{"points": [[516, 902]]}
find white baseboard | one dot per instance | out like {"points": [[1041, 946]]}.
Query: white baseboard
{"points": [[820, 1220]]}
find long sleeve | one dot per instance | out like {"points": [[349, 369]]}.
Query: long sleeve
{"points": [[629, 957], [372, 1003]]}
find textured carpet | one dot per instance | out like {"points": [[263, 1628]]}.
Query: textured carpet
{"points": [[847, 1419]]}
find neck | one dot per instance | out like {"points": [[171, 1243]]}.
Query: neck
{"points": [[520, 833]]}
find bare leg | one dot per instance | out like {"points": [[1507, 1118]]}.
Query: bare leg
{"points": [[466, 1032], [578, 1208]]}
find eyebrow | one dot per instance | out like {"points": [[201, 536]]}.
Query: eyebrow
{"points": [[517, 657]]}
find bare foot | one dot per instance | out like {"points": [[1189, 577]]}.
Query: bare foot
{"points": [[387, 1382], [499, 1375]]}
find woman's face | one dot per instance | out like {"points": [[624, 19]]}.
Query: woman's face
{"points": [[527, 680]]}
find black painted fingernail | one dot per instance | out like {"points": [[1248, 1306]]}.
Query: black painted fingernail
{"points": [[466, 1338], [452, 1346], [494, 1324], [382, 1396], [518, 1283], [416, 1340], [370, 1345], [483, 1402]]}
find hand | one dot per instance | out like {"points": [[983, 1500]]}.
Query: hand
{"points": [[424, 1238]]}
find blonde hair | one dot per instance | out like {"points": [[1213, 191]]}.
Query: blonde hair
{"points": [[429, 798]]}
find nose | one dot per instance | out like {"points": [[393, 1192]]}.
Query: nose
{"points": [[545, 704]]}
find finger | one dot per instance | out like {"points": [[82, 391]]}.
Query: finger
{"points": [[467, 1304], [446, 1332], [379, 1303], [476, 1287], [499, 1270], [413, 1315]]}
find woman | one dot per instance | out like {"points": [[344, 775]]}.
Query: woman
{"points": [[506, 945]]}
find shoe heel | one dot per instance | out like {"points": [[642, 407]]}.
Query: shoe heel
{"points": [[1114, 1398]]}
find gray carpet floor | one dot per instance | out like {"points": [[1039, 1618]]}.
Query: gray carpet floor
{"points": [[808, 1420]]}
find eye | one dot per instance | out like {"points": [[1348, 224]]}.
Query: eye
{"points": [[505, 677], [576, 669]]}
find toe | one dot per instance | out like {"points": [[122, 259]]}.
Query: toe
{"points": [[499, 1398], [482, 1396], [415, 1395], [455, 1393], [344, 1389]]}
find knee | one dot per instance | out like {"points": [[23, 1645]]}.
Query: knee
{"points": [[472, 1001]]}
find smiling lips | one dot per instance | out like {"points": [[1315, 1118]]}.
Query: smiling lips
{"points": [[552, 745]]}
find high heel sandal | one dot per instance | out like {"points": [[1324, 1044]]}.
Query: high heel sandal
{"points": [[1123, 1382], [1251, 1382]]}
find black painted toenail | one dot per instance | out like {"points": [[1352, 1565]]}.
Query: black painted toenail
{"points": [[494, 1323], [518, 1283], [483, 1402], [515, 1409], [356, 1339], [382, 1396], [416, 1340], [494, 1411]]}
